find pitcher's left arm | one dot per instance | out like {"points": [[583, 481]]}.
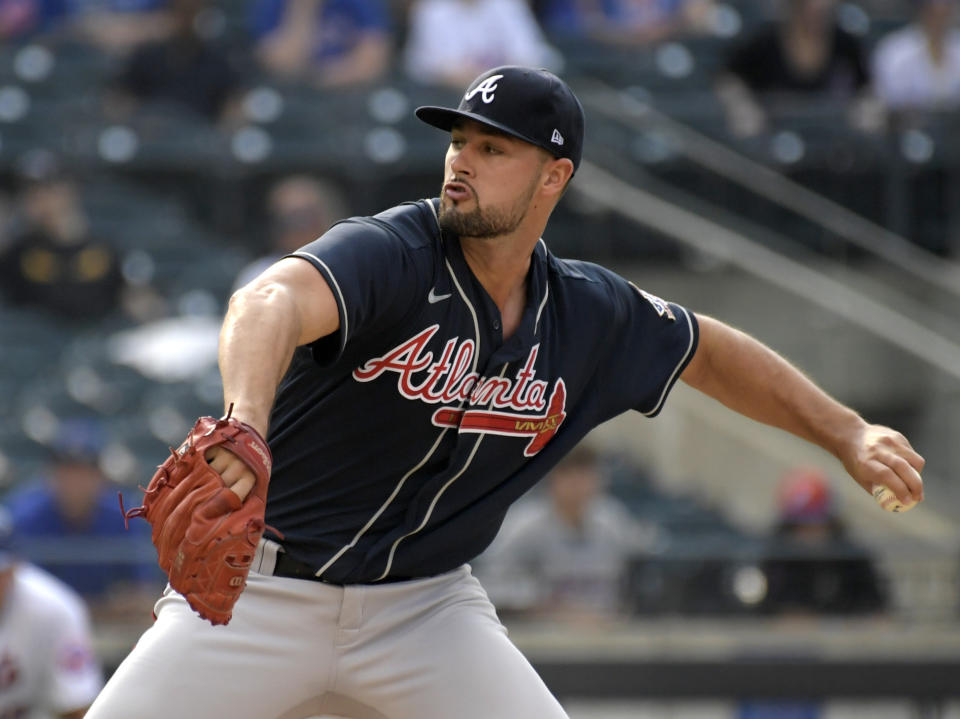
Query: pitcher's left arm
{"points": [[752, 379]]}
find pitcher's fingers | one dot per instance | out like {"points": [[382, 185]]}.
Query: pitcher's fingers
{"points": [[234, 472], [243, 485], [221, 459], [911, 455], [909, 477], [215, 458]]}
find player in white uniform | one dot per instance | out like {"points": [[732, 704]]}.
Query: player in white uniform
{"points": [[48, 668]]}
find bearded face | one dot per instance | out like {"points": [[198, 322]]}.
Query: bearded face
{"points": [[484, 222]]}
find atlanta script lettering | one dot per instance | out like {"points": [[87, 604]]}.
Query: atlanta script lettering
{"points": [[450, 379]]}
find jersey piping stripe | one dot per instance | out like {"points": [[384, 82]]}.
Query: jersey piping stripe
{"points": [[436, 499], [473, 312], [383, 507], [433, 504], [396, 490], [546, 294], [476, 358], [336, 286], [673, 375]]}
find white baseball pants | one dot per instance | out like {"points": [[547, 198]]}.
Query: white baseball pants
{"points": [[424, 649]]}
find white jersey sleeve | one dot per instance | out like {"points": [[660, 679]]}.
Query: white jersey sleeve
{"points": [[50, 625]]}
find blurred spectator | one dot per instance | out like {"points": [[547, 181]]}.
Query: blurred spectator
{"points": [[624, 22], [328, 43], [49, 258], [804, 54], [300, 209], [565, 555], [812, 568], [918, 67], [186, 69], [502, 32], [115, 26], [71, 525], [20, 18], [47, 663]]}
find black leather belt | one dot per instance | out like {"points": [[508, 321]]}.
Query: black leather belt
{"points": [[287, 566]]}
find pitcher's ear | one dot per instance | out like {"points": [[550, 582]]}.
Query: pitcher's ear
{"points": [[559, 171]]}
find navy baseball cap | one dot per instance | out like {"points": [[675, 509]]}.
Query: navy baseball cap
{"points": [[534, 105], [79, 440]]}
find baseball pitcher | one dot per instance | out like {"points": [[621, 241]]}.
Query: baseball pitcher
{"points": [[390, 390]]}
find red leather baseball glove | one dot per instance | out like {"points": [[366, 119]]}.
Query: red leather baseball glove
{"points": [[204, 535]]}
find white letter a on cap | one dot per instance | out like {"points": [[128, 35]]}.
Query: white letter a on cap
{"points": [[485, 88]]}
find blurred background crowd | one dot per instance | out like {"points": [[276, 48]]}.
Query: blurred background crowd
{"points": [[792, 166]]}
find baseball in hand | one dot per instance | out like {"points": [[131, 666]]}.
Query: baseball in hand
{"points": [[888, 500]]}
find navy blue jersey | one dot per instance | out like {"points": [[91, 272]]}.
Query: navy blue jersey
{"points": [[401, 440]]}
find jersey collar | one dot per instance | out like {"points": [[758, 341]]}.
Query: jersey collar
{"points": [[531, 324]]}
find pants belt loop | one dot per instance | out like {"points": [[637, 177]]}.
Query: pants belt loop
{"points": [[265, 558]]}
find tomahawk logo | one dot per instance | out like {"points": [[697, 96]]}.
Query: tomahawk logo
{"points": [[448, 378], [485, 88], [540, 427]]}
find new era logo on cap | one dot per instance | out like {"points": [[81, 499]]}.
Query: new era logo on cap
{"points": [[534, 105]]}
